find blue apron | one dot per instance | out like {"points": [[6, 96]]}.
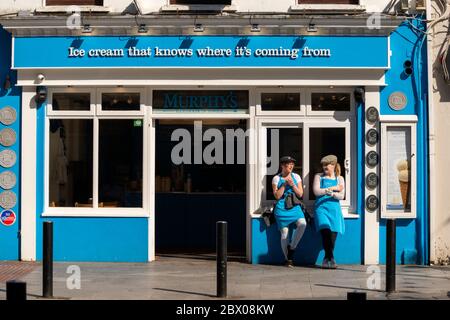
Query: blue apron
{"points": [[285, 217], [327, 210]]}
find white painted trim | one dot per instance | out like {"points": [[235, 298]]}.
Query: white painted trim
{"points": [[28, 176], [371, 219], [397, 214], [399, 118]]}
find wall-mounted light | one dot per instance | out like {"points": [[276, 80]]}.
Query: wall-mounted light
{"points": [[312, 27], [408, 67], [198, 27], [255, 28], [359, 94], [41, 94], [86, 28], [142, 28]]}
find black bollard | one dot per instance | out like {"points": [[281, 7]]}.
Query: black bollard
{"points": [[390, 255], [16, 291], [221, 251], [356, 296], [47, 260]]}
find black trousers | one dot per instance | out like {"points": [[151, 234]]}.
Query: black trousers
{"points": [[328, 241]]}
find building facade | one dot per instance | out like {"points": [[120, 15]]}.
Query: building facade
{"points": [[439, 148], [98, 97]]}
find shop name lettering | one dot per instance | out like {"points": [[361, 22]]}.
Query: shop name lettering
{"points": [[176, 101], [206, 52]]}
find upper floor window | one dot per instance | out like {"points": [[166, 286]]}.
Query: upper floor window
{"points": [[74, 2], [187, 2], [328, 1]]}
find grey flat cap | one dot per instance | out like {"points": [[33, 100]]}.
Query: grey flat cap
{"points": [[329, 159]]}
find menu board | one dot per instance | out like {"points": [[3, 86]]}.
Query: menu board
{"points": [[399, 169]]}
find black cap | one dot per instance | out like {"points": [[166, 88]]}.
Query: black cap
{"points": [[287, 159]]}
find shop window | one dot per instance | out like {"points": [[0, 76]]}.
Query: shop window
{"points": [[120, 101], [328, 1], [70, 162], [322, 142], [330, 101], [74, 2], [282, 142], [80, 101], [120, 163], [95, 161], [188, 2], [280, 101]]}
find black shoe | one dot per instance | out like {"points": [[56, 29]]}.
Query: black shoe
{"points": [[290, 253], [289, 263]]}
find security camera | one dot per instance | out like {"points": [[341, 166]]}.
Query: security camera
{"points": [[40, 77]]}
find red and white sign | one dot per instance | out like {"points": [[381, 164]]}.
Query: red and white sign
{"points": [[7, 217]]}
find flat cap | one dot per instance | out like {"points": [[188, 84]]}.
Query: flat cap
{"points": [[331, 158], [287, 159]]}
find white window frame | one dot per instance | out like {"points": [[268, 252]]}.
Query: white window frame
{"points": [[310, 112], [300, 112], [62, 113], [398, 214], [96, 211], [317, 119], [126, 113]]}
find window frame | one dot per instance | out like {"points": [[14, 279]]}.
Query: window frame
{"points": [[398, 214], [300, 112], [126, 113], [64, 113], [317, 119], [95, 210], [310, 112]]}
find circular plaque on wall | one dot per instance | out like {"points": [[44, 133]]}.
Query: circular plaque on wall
{"points": [[7, 199], [372, 203], [372, 180], [372, 115], [397, 101], [372, 158], [372, 137], [7, 180], [7, 137], [7, 158], [8, 115]]}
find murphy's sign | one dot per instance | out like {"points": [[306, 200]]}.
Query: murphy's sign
{"points": [[201, 51]]}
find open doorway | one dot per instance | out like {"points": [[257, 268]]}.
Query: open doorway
{"points": [[200, 178]]}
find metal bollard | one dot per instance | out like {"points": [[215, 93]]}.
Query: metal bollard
{"points": [[356, 296], [47, 260], [390, 255], [16, 291], [221, 251]]}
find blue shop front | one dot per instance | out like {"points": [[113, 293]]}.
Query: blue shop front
{"points": [[124, 142]]}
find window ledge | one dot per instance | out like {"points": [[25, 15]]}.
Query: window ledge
{"points": [[66, 9], [199, 7], [92, 213], [328, 8]]}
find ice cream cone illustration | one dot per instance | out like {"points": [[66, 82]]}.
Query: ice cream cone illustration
{"points": [[403, 178]]}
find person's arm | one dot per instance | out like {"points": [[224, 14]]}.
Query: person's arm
{"points": [[298, 189], [278, 193], [316, 187], [340, 193]]}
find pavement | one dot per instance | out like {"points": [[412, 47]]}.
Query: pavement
{"points": [[187, 278]]}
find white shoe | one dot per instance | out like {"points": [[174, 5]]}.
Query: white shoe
{"points": [[333, 264], [325, 263]]}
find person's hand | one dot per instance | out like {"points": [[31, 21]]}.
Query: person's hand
{"points": [[329, 191], [289, 181]]}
